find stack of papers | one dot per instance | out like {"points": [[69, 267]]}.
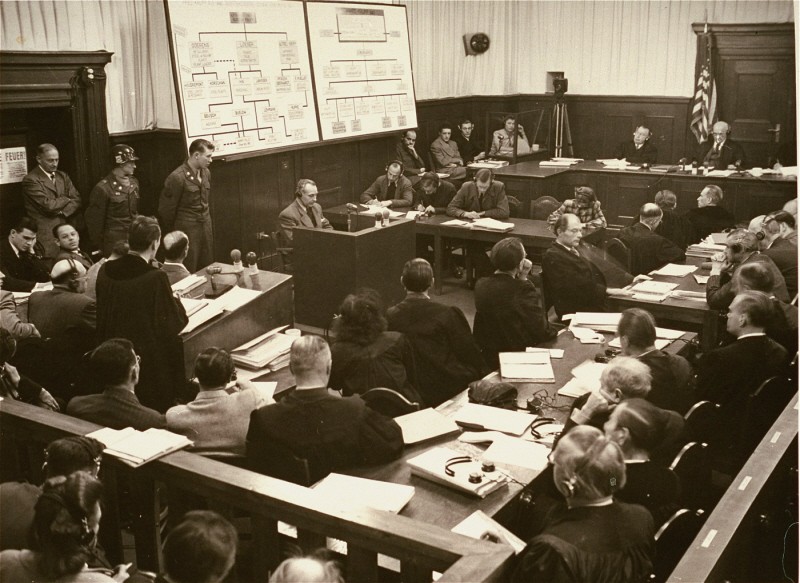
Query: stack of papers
{"points": [[704, 250], [270, 350], [236, 297], [135, 448], [533, 367], [364, 492], [723, 173], [586, 378], [478, 524], [431, 466], [683, 294], [492, 224], [597, 321], [188, 283], [675, 270], [555, 164], [653, 291], [425, 424], [456, 223], [518, 452], [199, 312], [480, 417], [491, 164]]}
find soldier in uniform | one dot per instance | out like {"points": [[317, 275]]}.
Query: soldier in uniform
{"points": [[183, 205], [114, 201], [50, 197]]}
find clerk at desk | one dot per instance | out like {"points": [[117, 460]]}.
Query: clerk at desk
{"points": [[390, 190]]}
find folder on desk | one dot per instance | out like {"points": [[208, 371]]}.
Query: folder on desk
{"points": [[271, 347], [518, 452], [492, 225], [432, 463], [532, 367], [474, 416], [135, 448], [425, 424], [598, 321], [479, 523], [365, 492]]}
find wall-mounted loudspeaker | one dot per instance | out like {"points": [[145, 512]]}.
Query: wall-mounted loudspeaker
{"points": [[476, 43]]}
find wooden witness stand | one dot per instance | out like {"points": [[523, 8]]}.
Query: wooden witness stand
{"points": [[330, 264]]}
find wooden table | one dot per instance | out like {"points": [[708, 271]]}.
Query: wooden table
{"points": [[696, 313], [446, 507]]}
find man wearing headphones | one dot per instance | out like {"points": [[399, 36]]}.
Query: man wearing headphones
{"points": [[723, 152], [769, 230], [390, 190], [741, 248], [65, 308]]}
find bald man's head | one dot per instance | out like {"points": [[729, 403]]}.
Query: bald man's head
{"points": [[650, 214], [176, 246]]}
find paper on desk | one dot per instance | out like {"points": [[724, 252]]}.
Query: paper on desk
{"points": [[413, 214], [565, 159], [653, 287], [364, 492], [477, 524], [668, 333], [554, 164], [586, 378], [649, 297], [266, 388], [575, 388], [554, 352], [200, 313], [723, 173], [675, 270], [600, 321], [492, 224], [701, 279], [480, 436], [518, 452], [586, 335], [425, 424], [236, 297], [456, 223], [527, 366], [511, 422], [661, 343], [188, 283]]}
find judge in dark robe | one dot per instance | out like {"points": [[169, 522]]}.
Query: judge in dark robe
{"points": [[135, 301], [639, 150]]}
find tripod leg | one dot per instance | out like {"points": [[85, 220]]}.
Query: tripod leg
{"points": [[566, 130]]}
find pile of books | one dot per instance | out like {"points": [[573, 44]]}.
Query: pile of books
{"points": [[268, 351], [704, 250], [134, 447]]}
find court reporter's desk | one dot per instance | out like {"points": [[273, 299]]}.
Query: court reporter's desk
{"points": [[623, 192], [273, 308], [696, 313], [535, 235], [446, 507]]}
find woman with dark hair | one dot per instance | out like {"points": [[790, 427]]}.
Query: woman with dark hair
{"points": [[638, 427], [365, 355], [65, 525], [591, 537]]}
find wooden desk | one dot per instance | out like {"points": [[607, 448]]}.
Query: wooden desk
{"points": [[440, 505], [273, 308], [623, 192], [696, 313]]}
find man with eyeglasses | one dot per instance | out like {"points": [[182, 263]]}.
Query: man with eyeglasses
{"points": [[723, 152], [639, 150], [114, 366], [406, 152], [467, 144], [64, 309]]}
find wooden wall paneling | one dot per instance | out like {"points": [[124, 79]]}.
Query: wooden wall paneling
{"points": [[231, 184], [663, 133], [627, 194]]}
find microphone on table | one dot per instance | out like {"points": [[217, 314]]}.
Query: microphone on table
{"points": [[385, 217], [378, 219], [351, 208], [252, 263], [236, 259]]}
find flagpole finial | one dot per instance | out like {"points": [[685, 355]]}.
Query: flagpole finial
{"points": [[705, 19]]}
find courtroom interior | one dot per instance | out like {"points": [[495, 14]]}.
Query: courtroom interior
{"points": [[401, 290]]}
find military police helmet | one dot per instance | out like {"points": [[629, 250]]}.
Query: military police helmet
{"points": [[122, 153]]}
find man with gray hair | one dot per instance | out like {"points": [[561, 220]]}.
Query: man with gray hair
{"points": [[176, 248], [649, 250], [708, 217], [673, 226], [770, 230], [328, 431], [741, 248], [723, 152]]}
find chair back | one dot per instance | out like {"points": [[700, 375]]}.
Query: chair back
{"points": [[514, 206], [388, 402], [543, 207], [702, 421], [278, 461], [673, 539], [762, 408], [617, 250], [693, 468], [281, 251]]}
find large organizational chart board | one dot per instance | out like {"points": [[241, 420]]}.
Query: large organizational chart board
{"points": [[244, 77]]}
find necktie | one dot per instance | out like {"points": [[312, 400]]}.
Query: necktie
{"points": [[313, 218], [52, 177], [391, 190]]}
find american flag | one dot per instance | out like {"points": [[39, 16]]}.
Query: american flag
{"points": [[704, 109]]}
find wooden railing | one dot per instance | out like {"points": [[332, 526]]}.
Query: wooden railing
{"points": [[729, 546], [420, 548]]}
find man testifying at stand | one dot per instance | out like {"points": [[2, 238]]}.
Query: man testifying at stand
{"points": [[390, 190], [135, 301], [639, 150], [723, 152], [184, 204], [20, 258], [50, 197], [649, 250], [406, 152], [467, 144]]}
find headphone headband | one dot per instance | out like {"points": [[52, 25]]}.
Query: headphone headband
{"points": [[399, 163]]}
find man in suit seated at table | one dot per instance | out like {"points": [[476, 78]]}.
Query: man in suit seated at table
{"points": [[176, 248], [446, 157], [330, 432], [467, 142], [571, 282], [20, 257], [509, 314], [741, 248], [723, 152], [406, 152], [730, 372], [115, 366], [217, 420], [585, 206], [639, 150], [625, 378], [649, 250], [672, 377], [391, 189], [65, 311], [9, 318], [772, 230], [446, 356], [481, 197], [782, 325], [708, 217]]}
